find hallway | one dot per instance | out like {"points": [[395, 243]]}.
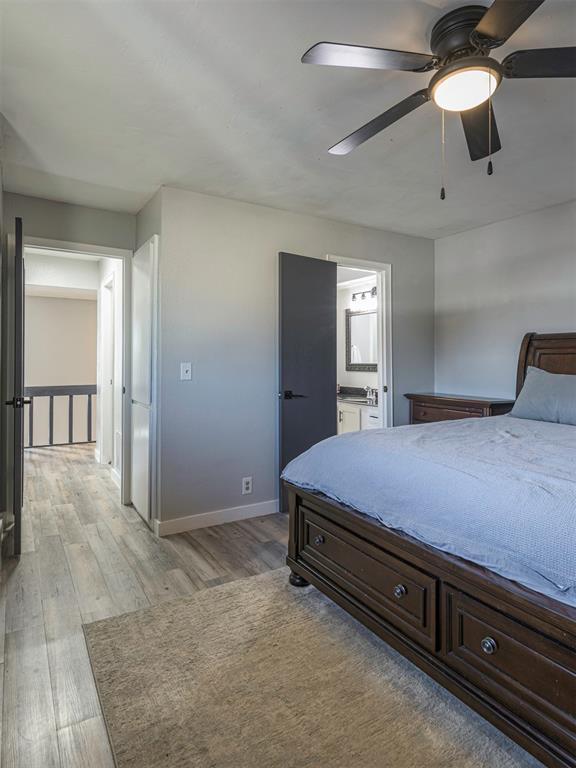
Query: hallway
{"points": [[86, 557]]}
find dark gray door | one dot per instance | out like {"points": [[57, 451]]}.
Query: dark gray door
{"points": [[13, 360], [307, 353]]}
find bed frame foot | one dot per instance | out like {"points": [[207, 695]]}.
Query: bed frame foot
{"points": [[297, 581]]}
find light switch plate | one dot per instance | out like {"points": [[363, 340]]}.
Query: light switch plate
{"points": [[185, 371]]}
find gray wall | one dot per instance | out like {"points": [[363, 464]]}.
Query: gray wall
{"points": [[149, 219], [75, 223], [218, 297], [495, 283]]}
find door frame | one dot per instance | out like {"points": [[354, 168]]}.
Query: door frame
{"points": [[385, 371], [126, 257], [107, 357]]}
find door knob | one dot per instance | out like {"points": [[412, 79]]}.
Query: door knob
{"points": [[289, 395]]}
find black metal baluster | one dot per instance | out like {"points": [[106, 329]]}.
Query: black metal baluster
{"points": [[70, 418], [51, 422]]}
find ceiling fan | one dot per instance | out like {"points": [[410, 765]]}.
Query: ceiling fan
{"points": [[467, 76]]}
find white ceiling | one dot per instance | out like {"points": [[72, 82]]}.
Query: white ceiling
{"points": [[106, 100], [346, 274]]}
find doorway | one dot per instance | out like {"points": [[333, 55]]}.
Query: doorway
{"points": [[73, 344], [310, 347], [362, 381]]}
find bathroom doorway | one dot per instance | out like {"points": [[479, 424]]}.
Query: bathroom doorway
{"points": [[309, 350], [363, 397]]}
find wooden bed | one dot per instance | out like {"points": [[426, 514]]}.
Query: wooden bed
{"points": [[506, 651]]}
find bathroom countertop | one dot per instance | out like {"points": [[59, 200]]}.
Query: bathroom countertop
{"points": [[355, 399]]}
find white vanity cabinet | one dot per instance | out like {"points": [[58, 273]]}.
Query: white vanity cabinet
{"points": [[348, 417], [353, 417], [369, 417]]}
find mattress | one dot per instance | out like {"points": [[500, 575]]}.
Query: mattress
{"points": [[499, 491]]}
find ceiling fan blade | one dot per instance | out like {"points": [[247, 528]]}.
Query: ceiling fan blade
{"points": [[482, 140], [379, 123], [541, 62], [504, 17], [342, 55]]}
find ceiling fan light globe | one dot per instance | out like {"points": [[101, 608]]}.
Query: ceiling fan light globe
{"points": [[464, 86]]}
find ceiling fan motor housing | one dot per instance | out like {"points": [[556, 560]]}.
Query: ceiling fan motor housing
{"points": [[450, 36]]}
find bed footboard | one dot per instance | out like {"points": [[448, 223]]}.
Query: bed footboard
{"points": [[507, 652]]}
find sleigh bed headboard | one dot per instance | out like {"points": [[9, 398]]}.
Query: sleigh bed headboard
{"points": [[553, 352]]}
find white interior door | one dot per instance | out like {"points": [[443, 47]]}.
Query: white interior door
{"points": [[144, 281]]}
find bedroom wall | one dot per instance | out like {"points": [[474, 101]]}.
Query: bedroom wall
{"points": [[74, 223], [149, 219], [218, 297], [494, 284]]}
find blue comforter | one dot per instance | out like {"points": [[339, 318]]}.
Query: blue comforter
{"points": [[500, 491]]}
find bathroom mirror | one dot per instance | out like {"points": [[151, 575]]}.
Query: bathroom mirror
{"points": [[361, 341]]}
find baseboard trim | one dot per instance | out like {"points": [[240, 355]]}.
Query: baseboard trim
{"points": [[218, 517], [115, 475]]}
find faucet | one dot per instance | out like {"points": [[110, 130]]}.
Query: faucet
{"points": [[371, 394]]}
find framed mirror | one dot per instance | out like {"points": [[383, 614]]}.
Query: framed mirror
{"points": [[361, 341]]}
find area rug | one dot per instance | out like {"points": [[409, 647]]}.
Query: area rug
{"points": [[258, 674]]}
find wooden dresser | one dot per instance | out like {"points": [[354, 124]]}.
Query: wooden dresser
{"points": [[425, 407]]}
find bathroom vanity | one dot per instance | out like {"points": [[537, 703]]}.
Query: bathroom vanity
{"points": [[356, 413]]}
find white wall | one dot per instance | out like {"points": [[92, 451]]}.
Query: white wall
{"points": [[493, 285], [344, 302], [60, 348], [218, 299]]}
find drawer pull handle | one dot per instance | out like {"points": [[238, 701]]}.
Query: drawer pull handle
{"points": [[318, 540], [399, 591], [489, 645]]}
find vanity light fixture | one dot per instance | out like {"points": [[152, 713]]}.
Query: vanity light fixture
{"points": [[373, 291]]}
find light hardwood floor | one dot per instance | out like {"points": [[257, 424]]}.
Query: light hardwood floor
{"points": [[87, 557]]}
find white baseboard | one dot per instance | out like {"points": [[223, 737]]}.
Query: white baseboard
{"points": [[115, 475], [218, 517], [97, 455]]}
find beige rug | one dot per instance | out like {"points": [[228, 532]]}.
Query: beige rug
{"points": [[258, 674]]}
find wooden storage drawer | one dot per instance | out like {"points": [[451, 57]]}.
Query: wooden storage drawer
{"points": [[398, 592], [421, 412], [523, 669], [437, 407]]}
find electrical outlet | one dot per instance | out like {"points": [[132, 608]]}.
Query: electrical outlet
{"points": [[185, 371], [246, 485]]}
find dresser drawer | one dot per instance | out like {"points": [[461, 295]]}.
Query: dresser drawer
{"points": [[423, 413], [399, 593], [518, 666]]}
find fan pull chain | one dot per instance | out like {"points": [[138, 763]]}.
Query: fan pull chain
{"points": [[490, 167], [443, 164]]}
